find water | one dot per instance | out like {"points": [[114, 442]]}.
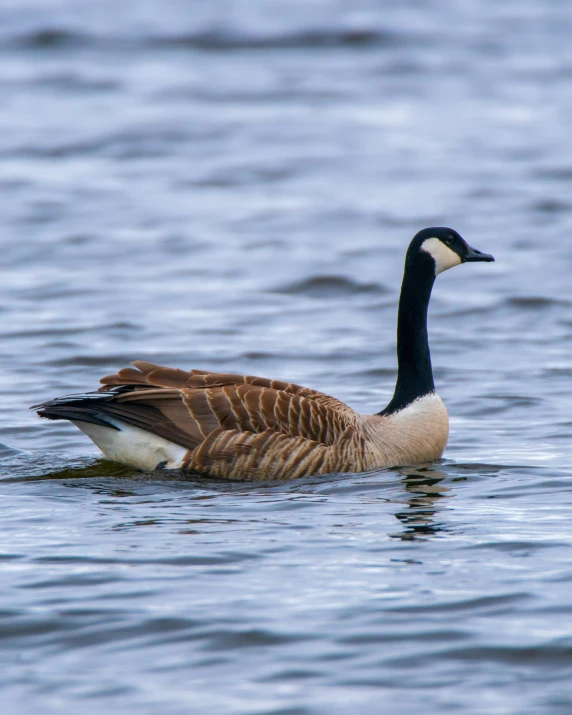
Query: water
{"points": [[232, 186]]}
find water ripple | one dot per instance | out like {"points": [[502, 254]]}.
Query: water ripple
{"points": [[233, 188]]}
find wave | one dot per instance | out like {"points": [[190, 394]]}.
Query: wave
{"points": [[329, 287], [212, 40]]}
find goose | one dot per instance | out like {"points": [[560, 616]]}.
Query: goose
{"points": [[242, 427]]}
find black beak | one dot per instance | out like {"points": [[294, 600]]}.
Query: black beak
{"points": [[474, 255]]}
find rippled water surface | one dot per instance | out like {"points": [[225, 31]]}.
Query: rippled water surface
{"points": [[232, 186]]}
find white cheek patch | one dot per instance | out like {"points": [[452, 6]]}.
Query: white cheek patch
{"points": [[443, 256]]}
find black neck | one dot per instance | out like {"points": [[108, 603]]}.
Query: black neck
{"points": [[415, 375]]}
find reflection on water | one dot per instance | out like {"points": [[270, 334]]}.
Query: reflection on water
{"points": [[234, 190], [421, 517]]}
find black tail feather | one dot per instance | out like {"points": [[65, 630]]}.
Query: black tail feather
{"points": [[105, 409], [79, 408]]}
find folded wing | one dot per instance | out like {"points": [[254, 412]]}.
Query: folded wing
{"points": [[234, 425]]}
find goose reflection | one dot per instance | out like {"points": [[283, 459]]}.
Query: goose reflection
{"points": [[420, 517]]}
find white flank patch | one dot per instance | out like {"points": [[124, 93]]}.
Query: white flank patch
{"points": [[443, 256], [134, 446]]}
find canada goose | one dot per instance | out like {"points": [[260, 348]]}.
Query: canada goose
{"points": [[244, 427]]}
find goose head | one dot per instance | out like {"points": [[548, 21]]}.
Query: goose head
{"points": [[441, 248]]}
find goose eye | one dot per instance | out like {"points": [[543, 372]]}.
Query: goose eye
{"points": [[448, 240]]}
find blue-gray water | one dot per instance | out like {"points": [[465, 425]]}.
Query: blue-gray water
{"points": [[232, 186]]}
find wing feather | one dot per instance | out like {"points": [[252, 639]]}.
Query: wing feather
{"points": [[235, 424], [160, 376]]}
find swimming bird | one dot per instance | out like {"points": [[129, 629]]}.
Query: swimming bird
{"points": [[253, 428]]}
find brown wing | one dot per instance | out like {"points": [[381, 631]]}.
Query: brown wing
{"points": [[196, 406], [148, 374]]}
